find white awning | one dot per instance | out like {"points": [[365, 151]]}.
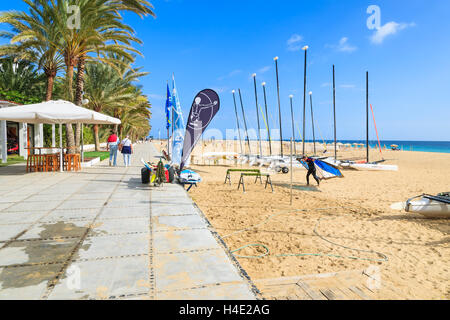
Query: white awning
{"points": [[55, 112]]}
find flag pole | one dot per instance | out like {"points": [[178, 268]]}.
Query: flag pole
{"points": [[305, 48], [245, 123], [237, 120], [267, 117], [367, 116], [291, 170], [257, 116], [168, 127], [334, 113], [312, 121], [279, 105], [293, 130]]}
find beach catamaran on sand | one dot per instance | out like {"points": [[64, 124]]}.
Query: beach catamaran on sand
{"points": [[427, 205]]}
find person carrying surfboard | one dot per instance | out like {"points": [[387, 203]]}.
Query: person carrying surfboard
{"points": [[311, 170]]}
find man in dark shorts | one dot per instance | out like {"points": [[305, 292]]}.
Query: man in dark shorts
{"points": [[311, 170]]}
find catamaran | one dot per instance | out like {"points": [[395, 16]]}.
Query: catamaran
{"points": [[427, 205]]}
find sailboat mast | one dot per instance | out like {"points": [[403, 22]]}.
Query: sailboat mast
{"points": [[257, 115], [305, 48], [334, 113], [279, 105], [237, 121], [367, 117], [245, 122], [292, 121], [267, 117], [312, 122]]}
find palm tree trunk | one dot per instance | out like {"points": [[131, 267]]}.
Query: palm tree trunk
{"points": [[79, 94], [97, 140], [50, 83], [49, 94], [69, 129]]}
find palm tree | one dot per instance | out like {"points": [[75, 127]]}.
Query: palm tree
{"points": [[107, 90], [101, 32], [21, 77], [135, 117]]}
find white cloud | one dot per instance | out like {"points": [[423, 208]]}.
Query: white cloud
{"points": [[220, 89], [264, 69], [231, 74], [343, 46], [293, 42], [388, 29], [347, 86]]}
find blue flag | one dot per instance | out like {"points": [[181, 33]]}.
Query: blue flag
{"points": [[178, 126], [168, 107]]}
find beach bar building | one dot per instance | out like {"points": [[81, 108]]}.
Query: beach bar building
{"points": [[17, 138]]}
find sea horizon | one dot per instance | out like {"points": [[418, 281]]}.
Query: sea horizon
{"points": [[404, 145]]}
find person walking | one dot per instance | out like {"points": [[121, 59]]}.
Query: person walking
{"points": [[127, 150], [112, 146], [311, 170]]}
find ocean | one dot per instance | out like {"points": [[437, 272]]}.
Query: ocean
{"points": [[423, 146]]}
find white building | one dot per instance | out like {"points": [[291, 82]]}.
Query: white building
{"points": [[16, 138]]}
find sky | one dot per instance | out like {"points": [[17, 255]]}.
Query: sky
{"points": [[220, 44]]}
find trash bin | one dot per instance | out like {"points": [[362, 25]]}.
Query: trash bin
{"points": [[145, 175]]}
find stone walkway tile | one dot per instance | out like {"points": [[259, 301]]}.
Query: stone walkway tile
{"points": [[62, 188], [38, 251], [68, 215], [114, 246], [130, 195], [33, 206], [41, 198], [104, 227], [91, 196], [121, 276], [216, 292], [85, 204], [48, 230], [171, 241], [188, 270], [121, 213], [4, 205], [9, 231], [12, 197], [165, 223], [128, 203], [169, 210], [97, 187], [20, 217], [26, 283]]}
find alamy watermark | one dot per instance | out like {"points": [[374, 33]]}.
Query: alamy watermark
{"points": [[374, 277], [374, 20], [74, 18], [73, 278]]}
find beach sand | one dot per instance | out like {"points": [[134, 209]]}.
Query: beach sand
{"points": [[353, 212]]}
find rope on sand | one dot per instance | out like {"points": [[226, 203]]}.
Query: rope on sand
{"points": [[384, 258]]}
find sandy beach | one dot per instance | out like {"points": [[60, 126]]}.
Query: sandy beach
{"points": [[352, 212]]}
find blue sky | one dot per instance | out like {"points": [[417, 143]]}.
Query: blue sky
{"points": [[219, 44]]}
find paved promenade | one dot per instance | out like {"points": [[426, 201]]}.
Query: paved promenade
{"points": [[101, 234]]}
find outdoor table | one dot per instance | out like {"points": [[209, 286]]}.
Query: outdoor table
{"points": [[51, 162]]}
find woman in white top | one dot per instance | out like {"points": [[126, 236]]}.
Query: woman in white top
{"points": [[127, 150]]}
